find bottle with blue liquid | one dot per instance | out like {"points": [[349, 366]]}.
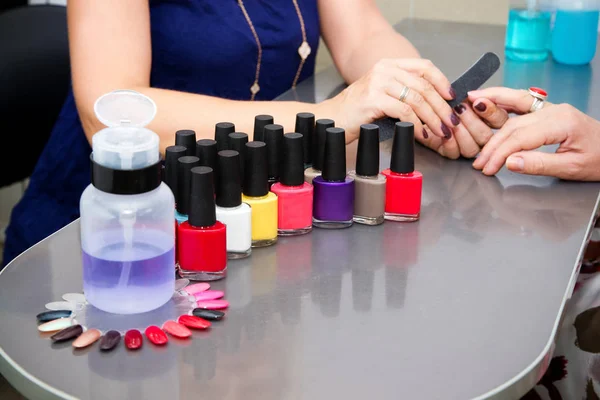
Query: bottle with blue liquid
{"points": [[575, 31], [127, 227], [528, 31]]}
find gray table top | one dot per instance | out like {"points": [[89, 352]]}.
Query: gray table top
{"points": [[462, 304]]}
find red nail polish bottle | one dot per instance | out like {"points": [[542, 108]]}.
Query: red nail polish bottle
{"points": [[202, 240], [404, 184]]}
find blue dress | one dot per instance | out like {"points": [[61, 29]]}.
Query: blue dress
{"points": [[198, 46]]}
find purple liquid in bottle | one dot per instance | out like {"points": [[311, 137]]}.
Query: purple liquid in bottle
{"points": [[333, 202], [132, 279]]}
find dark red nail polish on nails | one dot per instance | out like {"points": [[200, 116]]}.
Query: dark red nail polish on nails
{"points": [[460, 108], [480, 107], [454, 119], [452, 92], [425, 134], [446, 131]]}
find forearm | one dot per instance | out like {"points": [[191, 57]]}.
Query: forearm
{"points": [[384, 43], [179, 110]]}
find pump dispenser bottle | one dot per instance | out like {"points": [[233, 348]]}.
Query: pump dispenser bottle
{"points": [[127, 228]]}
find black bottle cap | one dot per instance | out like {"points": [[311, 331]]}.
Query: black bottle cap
{"points": [[222, 131], [186, 163], [305, 124], [206, 151], [403, 148], [172, 154], [256, 181], [334, 164], [273, 138], [367, 154], [237, 142], [229, 183], [186, 138], [260, 121], [202, 198], [318, 144], [292, 160]]}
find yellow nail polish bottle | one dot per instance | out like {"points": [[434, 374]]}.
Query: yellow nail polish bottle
{"points": [[257, 195]]}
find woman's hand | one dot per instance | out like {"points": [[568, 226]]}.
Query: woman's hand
{"points": [[376, 95], [578, 137]]}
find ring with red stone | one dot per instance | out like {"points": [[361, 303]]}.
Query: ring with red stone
{"points": [[539, 97]]}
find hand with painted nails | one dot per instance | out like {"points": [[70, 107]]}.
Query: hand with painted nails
{"points": [[377, 95], [576, 134]]}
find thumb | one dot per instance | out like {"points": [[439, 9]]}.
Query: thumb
{"points": [[538, 163]]}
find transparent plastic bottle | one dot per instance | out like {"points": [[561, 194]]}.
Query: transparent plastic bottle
{"points": [[127, 213], [575, 31], [528, 30]]}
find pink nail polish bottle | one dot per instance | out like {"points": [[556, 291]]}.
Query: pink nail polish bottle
{"points": [[295, 196]]}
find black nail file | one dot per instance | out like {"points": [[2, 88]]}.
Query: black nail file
{"points": [[472, 79], [475, 77]]}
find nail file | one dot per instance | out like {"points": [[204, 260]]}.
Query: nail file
{"points": [[475, 77], [472, 79]]}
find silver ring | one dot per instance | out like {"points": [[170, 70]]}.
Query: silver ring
{"points": [[539, 97], [404, 93]]}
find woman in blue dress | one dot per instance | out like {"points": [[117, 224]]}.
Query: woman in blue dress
{"points": [[208, 61]]}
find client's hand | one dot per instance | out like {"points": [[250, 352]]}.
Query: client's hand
{"points": [[578, 137]]}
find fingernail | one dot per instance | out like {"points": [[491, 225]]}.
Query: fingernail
{"points": [[446, 131], [452, 92], [454, 119], [481, 107], [515, 163], [425, 134], [460, 108]]}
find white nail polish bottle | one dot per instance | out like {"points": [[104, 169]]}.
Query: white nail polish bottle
{"points": [[237, 216]]}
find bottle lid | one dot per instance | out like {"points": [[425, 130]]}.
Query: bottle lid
{"points": [[186, 138], [125, 144], [305, 124], [318, 144], [403, 148], [292, 160], [256, 181], [367, 154], [273, 135], [186, 163], [334, 165], [202, 199], [229, 183], [237, 142], [206, 151], [222, 130], [260, 121], [172, 154]]}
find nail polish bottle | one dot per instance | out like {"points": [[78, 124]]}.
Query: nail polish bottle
{"points": [[333, 204], [260, 121], [201, 240], [369, 184], [404, 184], [187, 139], [237, 142], [184, 181], [222, 131], [237, 216], [318, 149], [206, 151], [305, 125], [172, 155], [255, 193], [273, 134], [294, 196]]}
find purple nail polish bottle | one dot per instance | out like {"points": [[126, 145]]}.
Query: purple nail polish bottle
{"points": [[333, 201]]}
